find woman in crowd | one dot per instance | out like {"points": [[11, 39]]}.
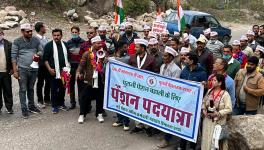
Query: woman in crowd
{"points": [[216, 106]]}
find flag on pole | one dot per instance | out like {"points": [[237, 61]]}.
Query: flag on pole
{"points": [[119, 12], [181, 18]]}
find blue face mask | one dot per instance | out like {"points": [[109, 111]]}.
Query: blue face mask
{"points": [[74, 36], [227, 57]]}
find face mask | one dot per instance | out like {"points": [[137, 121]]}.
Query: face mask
{"points": [[103, 37], [226, 57], [74, 36], [153, 50]]}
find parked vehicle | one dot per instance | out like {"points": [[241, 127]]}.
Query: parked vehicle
{"points": [[198, 22]]}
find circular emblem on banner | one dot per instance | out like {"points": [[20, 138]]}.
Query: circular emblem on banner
{"points": [[151, 81]]}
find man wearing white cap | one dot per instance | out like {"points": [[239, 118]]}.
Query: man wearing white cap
{"points": [[205, 56], [90, 70], [153, 46], [238, 54], [259, 52], [214, 45], [244, 46], [102, 31], [164, 40], [129, 37], [146, 30], [183, 54], [25, 50], [169, 69], [207, 32], [145, 61], [186, 42], [251, 40], [56, 59]]}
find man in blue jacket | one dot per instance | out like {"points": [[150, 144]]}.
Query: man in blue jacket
{"points": [[193, 72]]}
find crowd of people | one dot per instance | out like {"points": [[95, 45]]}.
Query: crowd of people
{"points": [[231, 74]]}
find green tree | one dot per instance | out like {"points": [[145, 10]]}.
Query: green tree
{"points": [[136, 7]]}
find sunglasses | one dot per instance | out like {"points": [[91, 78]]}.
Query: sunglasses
{"points": [[226, 51], [89, 32]]}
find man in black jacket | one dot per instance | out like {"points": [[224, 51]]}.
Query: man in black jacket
{"points": [[5, 74]]}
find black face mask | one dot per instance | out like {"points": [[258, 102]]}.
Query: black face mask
{"points": [[129, 32], [153, 50], [250, 70], [103, 37]]}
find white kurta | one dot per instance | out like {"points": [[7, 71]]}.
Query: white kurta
{"points": [[172, 70]]}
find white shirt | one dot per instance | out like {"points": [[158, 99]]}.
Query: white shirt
{"points": [[172, 70], [2, 58]]}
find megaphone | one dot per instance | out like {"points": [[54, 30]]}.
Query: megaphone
{"points": [[34, 65], [100, 53]]}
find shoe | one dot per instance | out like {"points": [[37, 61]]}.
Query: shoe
{"points": [[42, 106], [148, 131], [163, 144], [126, 128], [136, 130], [55, 110], [81, 119], [73, 106], [34, 110], [64, 108], [117, 124], [10, 111], [104, 113], [100, 118], [25, 114]]}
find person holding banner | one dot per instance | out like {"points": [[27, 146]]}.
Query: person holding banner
{"points": [[121, 56], [142, 60], [193, 72], [91, 71], [215, 108], [169, 69]]}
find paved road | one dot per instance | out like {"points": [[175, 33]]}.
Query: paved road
{"points": [[61, 131]]}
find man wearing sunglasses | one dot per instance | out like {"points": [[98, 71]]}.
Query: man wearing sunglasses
{"points": [[25, 50], [5, 74], [91, 33]]}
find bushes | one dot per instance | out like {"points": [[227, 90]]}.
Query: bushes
{"points": [[136, 7]]}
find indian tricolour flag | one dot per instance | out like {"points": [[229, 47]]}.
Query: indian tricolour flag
{"points": [[119, 12], [181, 18]]}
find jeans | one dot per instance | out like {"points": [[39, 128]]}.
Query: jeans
{"points": [[241, 110], [26, 87], [57, 92], [72, 84], [6, 91], [43, 76], [123, 119]]}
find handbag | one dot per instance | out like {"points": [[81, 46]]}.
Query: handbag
{"points": [[225, 134]]}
